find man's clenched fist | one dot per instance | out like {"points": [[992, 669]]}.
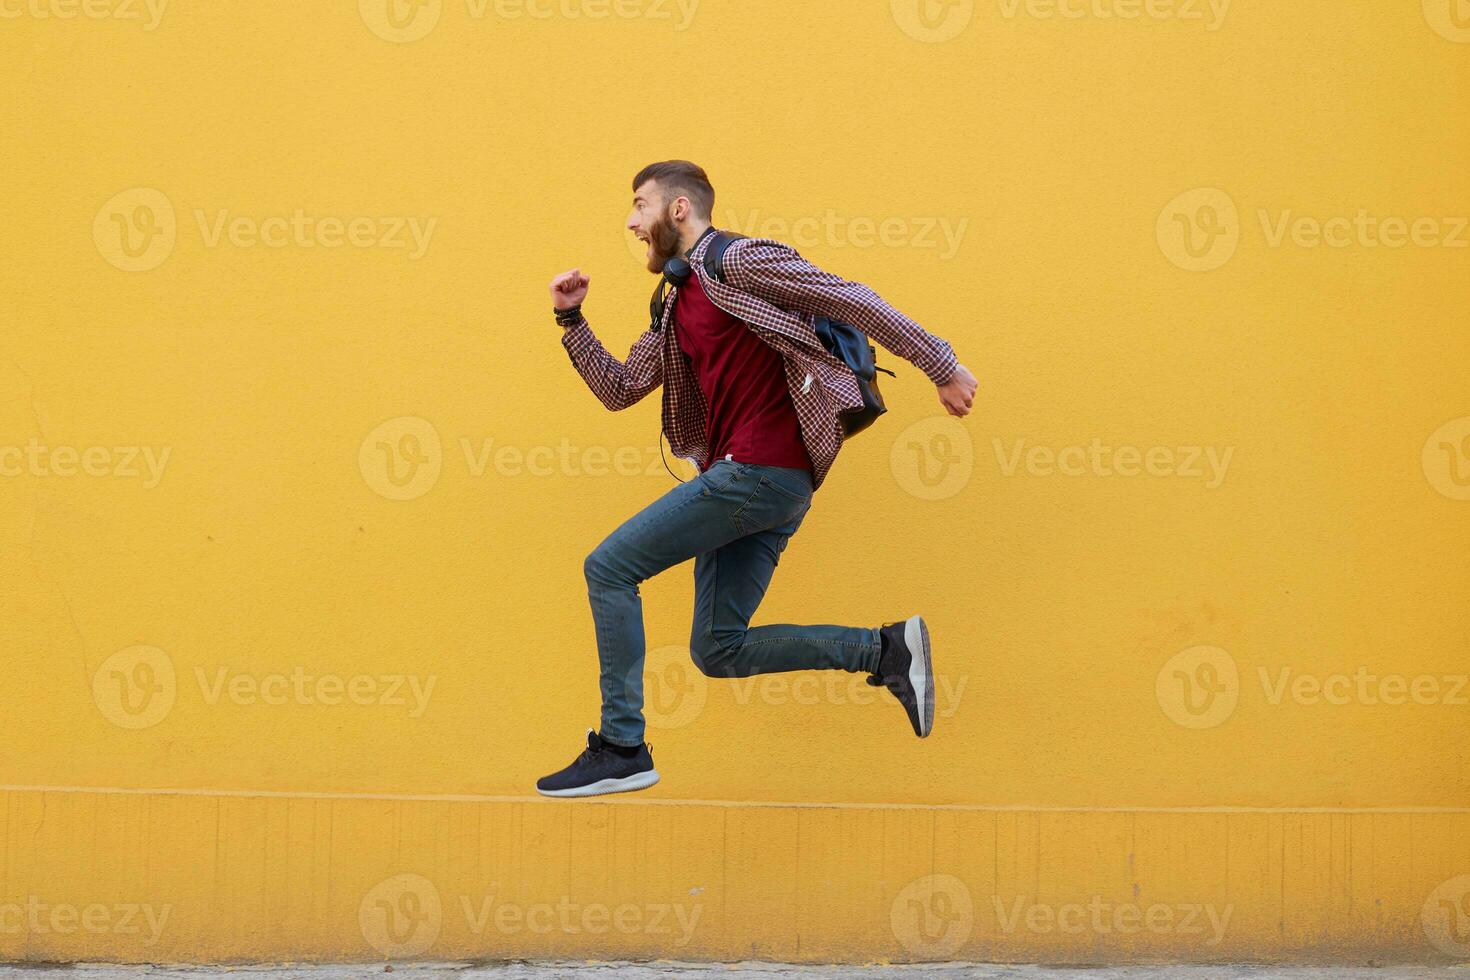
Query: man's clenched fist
{"points": [[569, 289], [958, 392]]}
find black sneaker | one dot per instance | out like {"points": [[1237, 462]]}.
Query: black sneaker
{"points": [[907, 670], [600, 769]]}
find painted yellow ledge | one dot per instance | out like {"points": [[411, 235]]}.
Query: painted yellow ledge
{"points": [[198, 876]]}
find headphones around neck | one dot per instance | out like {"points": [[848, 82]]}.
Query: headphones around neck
{"points": [[676, 273], [676, 269]]}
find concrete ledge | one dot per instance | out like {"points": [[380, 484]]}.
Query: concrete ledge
{"points": [[194, 877]]}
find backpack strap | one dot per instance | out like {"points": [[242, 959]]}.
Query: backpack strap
{"points": [[714, 254]]}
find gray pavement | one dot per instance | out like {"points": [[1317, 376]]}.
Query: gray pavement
{"points": [[722, 971]]}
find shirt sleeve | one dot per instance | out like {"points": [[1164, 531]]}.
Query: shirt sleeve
{"points": [[776, 273], [617, 384]]}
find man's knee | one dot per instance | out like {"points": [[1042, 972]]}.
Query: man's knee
{"points": [[600, 568], [714, 653]]}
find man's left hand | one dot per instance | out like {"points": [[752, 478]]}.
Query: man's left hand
{"points": [[958, 393]]}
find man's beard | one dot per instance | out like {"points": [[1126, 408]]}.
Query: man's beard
{"points": [[664, 238]]}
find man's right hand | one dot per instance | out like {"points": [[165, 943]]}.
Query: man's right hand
{"points": [[569, 289]]}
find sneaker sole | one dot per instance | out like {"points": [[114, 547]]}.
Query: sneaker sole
{"points": [[921, 671], [623, 784]]}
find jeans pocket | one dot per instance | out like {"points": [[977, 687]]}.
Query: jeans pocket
{"points": [[787, 484], [768, 506]]}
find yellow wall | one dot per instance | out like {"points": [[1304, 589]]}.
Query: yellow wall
{"points": [[1195, 567]]}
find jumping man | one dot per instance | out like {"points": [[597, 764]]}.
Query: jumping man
{"points": [[753, 398]]}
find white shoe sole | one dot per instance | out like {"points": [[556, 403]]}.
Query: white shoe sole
{"points": [[623, 784], [921, 671]]}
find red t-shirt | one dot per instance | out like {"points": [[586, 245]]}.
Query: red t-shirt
{"points": [[751, 417]]}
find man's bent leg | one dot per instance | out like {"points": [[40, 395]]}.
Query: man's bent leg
{"points": [[690, 519], [730, 582]]}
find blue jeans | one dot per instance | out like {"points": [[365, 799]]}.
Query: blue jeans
{"points": [[734, 520]]}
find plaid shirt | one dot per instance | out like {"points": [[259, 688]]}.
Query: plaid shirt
{"points": [[775, 292]]}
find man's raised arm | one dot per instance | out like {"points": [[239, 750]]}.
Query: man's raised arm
{"points": [[617, 384]]}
